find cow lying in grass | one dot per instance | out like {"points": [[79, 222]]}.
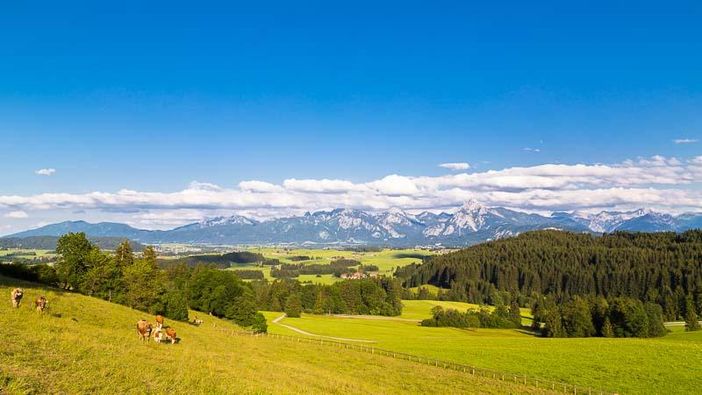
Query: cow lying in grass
{"points": [[40, 304], [144, 329], [16, 297]]}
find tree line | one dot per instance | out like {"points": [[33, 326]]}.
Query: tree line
{"points": [[597, 316], [500, 317], [375, 296], [336, 268], [222, 261], [659, 268], [138, 282]]}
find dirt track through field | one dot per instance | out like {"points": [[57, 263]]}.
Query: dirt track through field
{"points": [[300, 331]]}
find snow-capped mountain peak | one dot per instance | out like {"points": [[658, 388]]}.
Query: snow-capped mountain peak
{"points": [[471, 215], [220, 221], [472, 206], [609, 221], [469, 224]]}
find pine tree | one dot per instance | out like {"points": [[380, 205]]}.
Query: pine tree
{"points": [[124, 256], [149, 256], [691, 321], [515, 314], [607, 329], [293, 306]]}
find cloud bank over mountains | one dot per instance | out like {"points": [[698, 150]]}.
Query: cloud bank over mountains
{"points": [[664, 183]]}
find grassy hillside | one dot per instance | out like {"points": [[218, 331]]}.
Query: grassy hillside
{"points": [[86, 345], [671, 364]]}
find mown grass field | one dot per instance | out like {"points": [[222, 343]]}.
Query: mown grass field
{"points": [[668, 365], [421, 309], [26, 253], [86, 345]]}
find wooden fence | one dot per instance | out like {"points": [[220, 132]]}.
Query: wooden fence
{"points": [[550, 385]]}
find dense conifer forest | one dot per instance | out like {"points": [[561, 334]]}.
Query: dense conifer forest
{"points": [[659, 268]]}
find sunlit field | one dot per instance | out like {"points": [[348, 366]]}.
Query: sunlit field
{"points": [[86, 345], [386, 260], [672, 364]]}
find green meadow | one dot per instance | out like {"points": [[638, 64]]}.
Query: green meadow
{"points": [[87, 345], [671, 364], [26, 253], [386, 260]]}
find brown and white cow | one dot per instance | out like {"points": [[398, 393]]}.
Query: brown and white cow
{"points": [[159, 322], [158, 335], [16, 297], [41, 303], [144, 329], [171, 335], [165, 334]]}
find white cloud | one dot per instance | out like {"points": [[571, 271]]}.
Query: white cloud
{"points": [[394, 185], [320, 186], [666, 183], [529, 149], [455, 166], [685, 141], [19, 214], [46, 171], [259, 186]]}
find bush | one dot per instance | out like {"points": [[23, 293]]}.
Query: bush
{"points": [[259, 324]]}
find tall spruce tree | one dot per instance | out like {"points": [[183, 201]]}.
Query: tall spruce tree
{"points": [[692, 322]]}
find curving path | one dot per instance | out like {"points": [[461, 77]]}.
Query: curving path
{"points": [[300, 331]]}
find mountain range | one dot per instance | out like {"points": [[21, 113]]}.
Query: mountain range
{"points": [[470, 224]]}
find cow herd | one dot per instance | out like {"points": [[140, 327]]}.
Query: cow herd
{"points": [[16, 298], [145, 330]]}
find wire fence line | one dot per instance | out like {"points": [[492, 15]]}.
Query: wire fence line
{"points": [[538, 383]]}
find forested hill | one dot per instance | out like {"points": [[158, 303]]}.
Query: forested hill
{"points": [[49, 242], [664, 268]]}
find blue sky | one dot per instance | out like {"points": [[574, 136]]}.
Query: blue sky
{"points": [[151, 97]]}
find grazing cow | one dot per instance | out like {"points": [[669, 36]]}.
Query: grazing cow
{"points": [[158, 335], [41, 303], [198, 321], [16, 297], [159, 322], [171, 335], [144, 329]]}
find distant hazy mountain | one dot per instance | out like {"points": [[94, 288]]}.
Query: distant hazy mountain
{"points": [[472, 223]]}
